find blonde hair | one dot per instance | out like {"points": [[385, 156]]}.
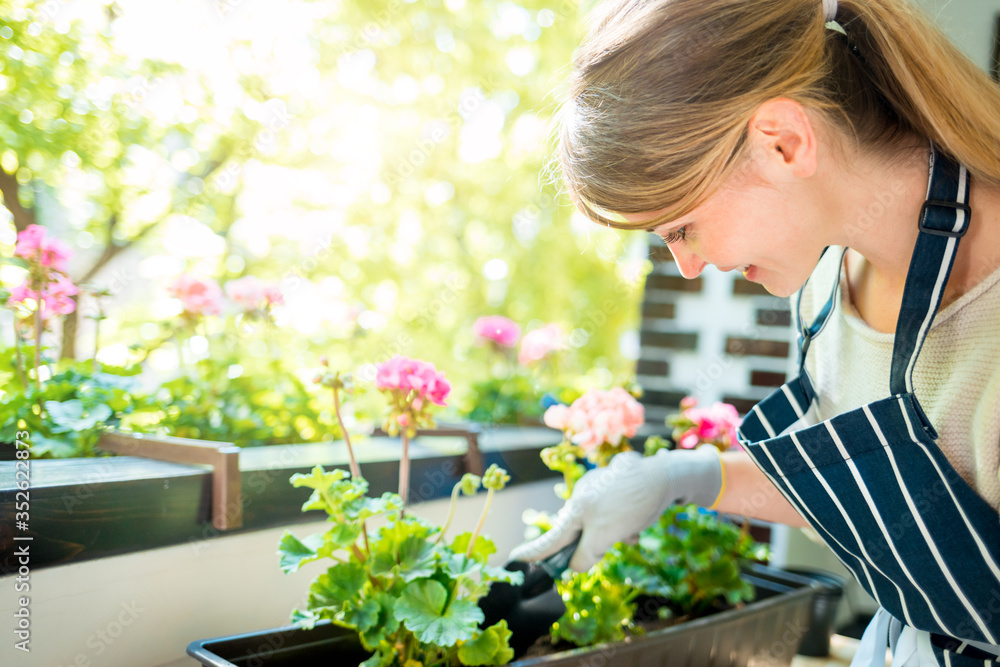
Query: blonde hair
{"points": [[662, 91]]}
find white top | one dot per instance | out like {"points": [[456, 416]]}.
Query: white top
{"points": [[956, 377]]}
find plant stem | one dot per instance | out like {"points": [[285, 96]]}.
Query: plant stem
{"points": [[479, 526], [17, 353], [38, 346], [451, 512], [38, 333], [97, 337], [404, 472], [355, 468]]}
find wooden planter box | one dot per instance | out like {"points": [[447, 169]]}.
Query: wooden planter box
{"points": [[764, 633]]}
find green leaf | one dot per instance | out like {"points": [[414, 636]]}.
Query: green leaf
{"points": [[74, 415], [385, 626], [483, 549], [416, 558], [363, 616], [294, 553], [383, 656], [460, 565], [339, 584], [421, 608], [318, 478], [490, 647], [363, 508], [342, 535], [54, 447], [17, 261], [398, 547], [500, 574], [304, 619]]}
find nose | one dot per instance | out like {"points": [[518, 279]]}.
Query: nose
{"points": [[689, 263]]}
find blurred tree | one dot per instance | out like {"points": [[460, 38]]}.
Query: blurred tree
{"points": [[384, 159], [73, 120]]}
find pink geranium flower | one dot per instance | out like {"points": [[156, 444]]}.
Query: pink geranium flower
{"points": [[55, 296], [251, 293], [407, 375], [716, 424], [273, 295], [540, 343], [34, 244], [598, 417], [497, 328], [246, 292], [199, 296]]}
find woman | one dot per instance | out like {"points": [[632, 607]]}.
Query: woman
{"points": [[770, 136]]}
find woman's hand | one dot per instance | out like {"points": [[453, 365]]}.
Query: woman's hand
{"points": [[615, 503]]}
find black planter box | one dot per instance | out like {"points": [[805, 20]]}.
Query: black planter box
{"points": [[766, 632]]}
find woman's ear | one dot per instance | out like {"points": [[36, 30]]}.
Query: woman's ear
{"points": [[783, 138]]}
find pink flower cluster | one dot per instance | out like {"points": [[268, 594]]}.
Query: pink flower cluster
{"points": [[34, 244], [497, 328], [716, 424], [199, 296], [407, 375], [55, 296], [252, 293], [598, 417], [203, 296], [540, 343], [52, 255]]}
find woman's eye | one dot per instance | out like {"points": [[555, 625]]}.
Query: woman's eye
{"points": [[675, 236]]}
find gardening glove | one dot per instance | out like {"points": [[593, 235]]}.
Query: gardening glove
{"points": [[615, 503]]}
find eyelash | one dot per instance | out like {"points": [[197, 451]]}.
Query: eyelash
{"points": [[675, 236]]}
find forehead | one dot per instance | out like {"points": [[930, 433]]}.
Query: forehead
{"points": [[649, 217]]}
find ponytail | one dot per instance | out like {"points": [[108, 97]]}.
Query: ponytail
{"points": [[935, 89]]}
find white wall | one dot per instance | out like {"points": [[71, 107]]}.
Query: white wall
{"points": [[969, 24], [142, 610]]}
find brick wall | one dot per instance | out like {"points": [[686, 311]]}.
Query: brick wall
{"points": [[717, 337]]}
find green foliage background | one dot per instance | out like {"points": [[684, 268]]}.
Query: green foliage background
{"points": [[328, 157]]}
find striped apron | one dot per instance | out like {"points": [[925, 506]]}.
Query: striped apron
{"points": [[877, 489]]}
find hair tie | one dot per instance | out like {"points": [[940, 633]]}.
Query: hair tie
{"points": [[830, 9]]}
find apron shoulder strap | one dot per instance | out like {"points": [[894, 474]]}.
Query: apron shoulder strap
{"points": [[943, 221], [806, 333]]}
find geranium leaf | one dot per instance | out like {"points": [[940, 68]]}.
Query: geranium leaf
{"points": [[294, 553], [490, 647], [421, 608], [318, 478], [304, 619], [460, 565], [75, 415], [416, 558], [383, 657], [362, 508], [483, 549], [339, 584], [362, 617], [499, 574], [386, 624]]}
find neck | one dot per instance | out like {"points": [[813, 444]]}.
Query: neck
{"points": [[877, 205]]}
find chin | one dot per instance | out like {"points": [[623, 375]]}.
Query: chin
{"points": [[783, 291], [780, 288]]}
